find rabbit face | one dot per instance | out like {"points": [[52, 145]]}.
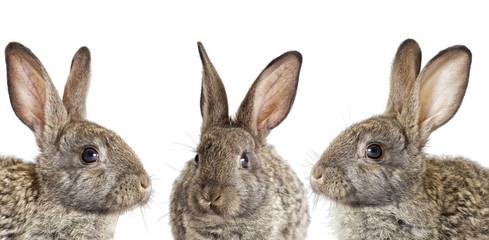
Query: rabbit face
{"points": [[226, 177], [370, 163], [82, 165], [380, 160], [93, 169]]}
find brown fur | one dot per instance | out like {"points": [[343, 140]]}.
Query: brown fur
{"points": [[59, 196], [404, 194], [215, 197]]}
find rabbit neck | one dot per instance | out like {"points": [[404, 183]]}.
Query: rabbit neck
{"points": [[66, 223]]}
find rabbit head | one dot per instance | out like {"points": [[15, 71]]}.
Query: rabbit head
{"points": [[81, 165], [380, 160], [227, 178]]}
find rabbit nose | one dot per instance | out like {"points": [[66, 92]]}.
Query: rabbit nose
{"points": [[317, 172], [211, 195], [145, 182], [214, 198]]}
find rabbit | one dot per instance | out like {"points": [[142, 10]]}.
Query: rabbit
{"points": [[237, 186], [85, 175], [383, 184]]}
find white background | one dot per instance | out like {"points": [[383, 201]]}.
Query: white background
{"points": [[146, 75]]}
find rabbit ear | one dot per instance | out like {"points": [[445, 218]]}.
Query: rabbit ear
{"points": [[76, 88], [271, 96], [443, 82], [32, 94], [405, 69], [213, 99]]}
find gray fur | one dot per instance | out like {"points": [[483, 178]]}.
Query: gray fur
{"points": [[406, 194], [217, 198], [59, 196]]}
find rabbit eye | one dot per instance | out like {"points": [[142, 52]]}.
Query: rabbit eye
{"points": [[244, 161], [90, 155], [196, 160], [373, 151]]}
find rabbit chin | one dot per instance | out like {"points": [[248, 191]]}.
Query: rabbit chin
{"points": [[124, 204], [341, 194], [120, 209], [213, 214]]}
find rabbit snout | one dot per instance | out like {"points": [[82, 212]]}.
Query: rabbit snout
{"points": [[216, 198], [146, 187], [330, 181], [210, 196]]}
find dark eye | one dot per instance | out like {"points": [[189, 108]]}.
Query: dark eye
{"points": [[244, 161], [89, 155], [373, 151], [196, 160]]}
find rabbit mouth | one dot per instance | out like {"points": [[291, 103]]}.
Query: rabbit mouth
{"points": [[215, 208], [208, 209]]}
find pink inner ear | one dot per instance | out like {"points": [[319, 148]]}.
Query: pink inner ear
{"points": [[33, 80], [28, 94], [274, 93], [442, 91], [443, 84]]}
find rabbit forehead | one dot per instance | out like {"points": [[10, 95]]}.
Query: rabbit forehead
{"points": [[381, 129], [225, 142], [378, 129]]}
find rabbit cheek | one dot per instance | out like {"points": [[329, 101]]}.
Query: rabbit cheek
{"points": [[254, 192], [78, 189]]}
